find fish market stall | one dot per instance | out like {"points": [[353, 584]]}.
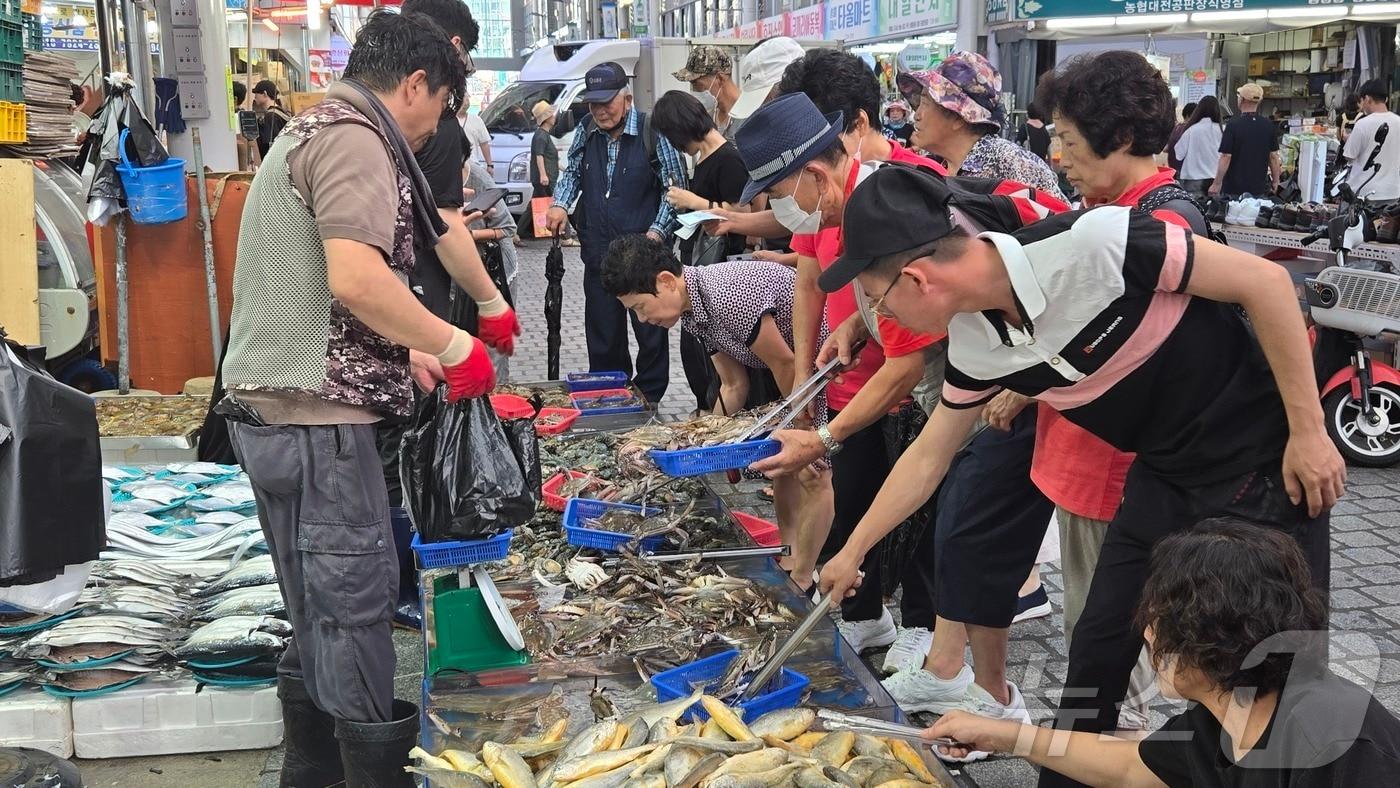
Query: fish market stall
{"points": [[597, 663], [140, 429]]}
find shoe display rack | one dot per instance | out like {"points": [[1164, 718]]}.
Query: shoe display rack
{"points": [[1264, 240]]}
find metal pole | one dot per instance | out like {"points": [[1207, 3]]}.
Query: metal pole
{"points": [[207, 225], [123, 335]]}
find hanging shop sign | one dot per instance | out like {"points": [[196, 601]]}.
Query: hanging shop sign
{"points": [[641, 12], [776, 25], [609, 20], [915, 57], [340, 52], [998, 11], [1051, 9], [807, 23], [919, 16], [850, 20]]}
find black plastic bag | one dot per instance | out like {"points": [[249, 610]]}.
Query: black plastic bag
{"points": [[525, 442], [51, 489], [461, 477]]}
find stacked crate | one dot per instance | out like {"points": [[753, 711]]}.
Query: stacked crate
{"points": [[33, 33], [12, 109]]}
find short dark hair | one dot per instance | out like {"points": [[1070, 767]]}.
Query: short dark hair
{"points": [[633, 263], [1188, 110], [1216, 592], [1114, 98], [453, 16], [681, 118], [835, 81], [266, 87], [1376, 89], [391, 46], [240, 92]]}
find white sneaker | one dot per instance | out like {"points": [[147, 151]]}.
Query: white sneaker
{"points": [[979, 701], [875, 633], [910, 647], [918, 690], [1232, 214]]}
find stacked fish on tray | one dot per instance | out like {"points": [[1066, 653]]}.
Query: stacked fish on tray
{"points": [[649, 748], [183, 585]]}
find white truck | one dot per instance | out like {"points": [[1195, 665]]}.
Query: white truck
{"points": [[555, 74]]}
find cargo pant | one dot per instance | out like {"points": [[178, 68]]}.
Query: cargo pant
{"points": [[325, 512]]}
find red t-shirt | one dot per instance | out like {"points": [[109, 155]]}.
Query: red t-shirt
{"points": [[826, 246], [1073, 467]]}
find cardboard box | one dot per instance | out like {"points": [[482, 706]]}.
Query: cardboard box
{"points": [[296, 103]]}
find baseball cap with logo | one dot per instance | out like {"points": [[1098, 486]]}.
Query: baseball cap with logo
{"points": [[705, 61], [1250, 92], [760, 70], [602, 83]]}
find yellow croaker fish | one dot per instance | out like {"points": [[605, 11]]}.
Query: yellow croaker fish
{"points": [[728, 721], [901, 782], [430, 761], [886, 774], [766, 779], [700, 770], [835, 748], [869, 745], [612, 779], [785, 724], [808, 740], [718, 745], [653, 760], [862, 767], [594, 738], [812, 777], [712, 730], [507, 766], [679, 761], [556, 731], [671, 710], [751, 763], [598, 762], [905, 753]]}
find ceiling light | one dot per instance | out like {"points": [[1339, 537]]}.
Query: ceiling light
{"points": [[1152, 19], [1229, 16], [271, 25], [1070, 22]]}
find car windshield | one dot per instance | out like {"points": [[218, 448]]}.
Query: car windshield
{"points": [[510, 111]]}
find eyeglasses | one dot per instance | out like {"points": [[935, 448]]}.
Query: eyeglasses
{"points": [[878, 305]]}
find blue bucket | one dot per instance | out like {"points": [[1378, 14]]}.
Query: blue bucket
{"points": [[156, 194]]}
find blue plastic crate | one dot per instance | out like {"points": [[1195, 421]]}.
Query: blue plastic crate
{"points": [[783, 692], [708, 459], [580, 381], [580, 510], [434, 555]]}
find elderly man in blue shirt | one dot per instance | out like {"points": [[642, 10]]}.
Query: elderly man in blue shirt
{"points": [[618, 171]]}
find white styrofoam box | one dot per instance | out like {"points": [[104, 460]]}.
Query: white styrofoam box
{"points": [[166, 716], [30, 717]]}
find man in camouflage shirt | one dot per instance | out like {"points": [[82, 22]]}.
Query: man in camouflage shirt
{"points": [[325, 340]]}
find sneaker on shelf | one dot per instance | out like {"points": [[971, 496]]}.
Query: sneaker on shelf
{"points": [[1287, 218], [1036, 604], [1213, 209], [979, 701], [1232, 214], [874, 633], [910, 647], [1249, 212], [918, 690], [1307, 218], [1266, 212]]}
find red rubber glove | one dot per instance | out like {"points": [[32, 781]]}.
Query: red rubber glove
{"points": [[499, 331], [472, 374]]}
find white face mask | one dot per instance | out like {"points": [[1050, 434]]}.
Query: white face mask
{"points": [[790, 215], [707, 99]]}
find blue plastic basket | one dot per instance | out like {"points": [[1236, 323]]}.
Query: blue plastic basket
{"points": [[580, 510], [582, 398], [783, 692], [154, 194], [708, 459], [595, 381], [434, 555]]}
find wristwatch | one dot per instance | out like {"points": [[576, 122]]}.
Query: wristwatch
{"points": [[833, 446]]}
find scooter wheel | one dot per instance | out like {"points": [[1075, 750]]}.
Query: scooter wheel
{"points": [[1374, 445]]}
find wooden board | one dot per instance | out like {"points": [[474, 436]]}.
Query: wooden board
{"points": [[19, 266], [168, 305]]}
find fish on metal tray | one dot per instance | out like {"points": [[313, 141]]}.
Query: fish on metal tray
{"points": [[236, 636], [131, 631]]}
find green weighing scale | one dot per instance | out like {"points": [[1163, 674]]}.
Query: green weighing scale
{"points": [[472, 629]]}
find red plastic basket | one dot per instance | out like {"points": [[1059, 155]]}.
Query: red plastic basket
{"points": [[549, 491], [509, 406], [763, 533], [567, 417]]}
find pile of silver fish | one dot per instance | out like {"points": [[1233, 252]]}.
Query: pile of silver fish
{"points": [[649, 748]]}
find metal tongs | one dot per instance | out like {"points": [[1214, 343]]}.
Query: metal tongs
{"points": [[799, 399], [836, 721], [770, 668]]}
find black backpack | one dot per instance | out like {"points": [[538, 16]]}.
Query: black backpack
{"points": [[648, 138], [1174, 198]]}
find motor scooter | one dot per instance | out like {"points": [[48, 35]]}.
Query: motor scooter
{"points": [[1349, 305]]}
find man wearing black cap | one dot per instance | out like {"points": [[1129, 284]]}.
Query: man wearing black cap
{"points": [[271, 116], [618, 171], [1102, 315]]}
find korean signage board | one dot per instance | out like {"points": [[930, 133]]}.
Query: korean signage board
{"points": [[920, 16], [807, 23], [773, 26], [851, 20], [1051, 9]]}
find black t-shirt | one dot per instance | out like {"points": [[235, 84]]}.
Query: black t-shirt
{"points": [[1036, 139], [1326, 733], [1249, 139], [441, 161], [720, 177], [903, 133], [269, 126]]}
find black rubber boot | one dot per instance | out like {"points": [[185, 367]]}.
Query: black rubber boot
{"points": [[312, 754], [374, 753]]}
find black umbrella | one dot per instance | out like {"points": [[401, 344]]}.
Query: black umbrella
{"points": [[554, 302]]}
